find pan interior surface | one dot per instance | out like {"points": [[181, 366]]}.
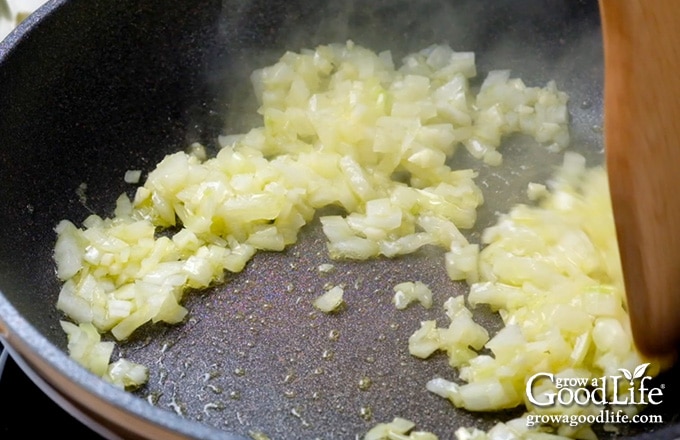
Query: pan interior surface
{"points": [[95, 88]]}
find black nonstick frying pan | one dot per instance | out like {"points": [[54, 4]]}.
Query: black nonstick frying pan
{"points": [[91, 88]]}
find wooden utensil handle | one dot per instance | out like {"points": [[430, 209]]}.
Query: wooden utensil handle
{"points": [[642, 134]]}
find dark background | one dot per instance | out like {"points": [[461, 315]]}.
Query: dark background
{"points": [[21, 400]]}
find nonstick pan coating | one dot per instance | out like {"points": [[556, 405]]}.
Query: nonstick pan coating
{"points": [[90, 89]]}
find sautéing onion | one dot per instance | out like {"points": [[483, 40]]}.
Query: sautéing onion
{"points": [[344, 126], [552, 272]]}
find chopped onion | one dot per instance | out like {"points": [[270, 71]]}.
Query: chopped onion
{"points": [[331, 300], [132, 176], [552, 272], [397, 429], [407, 292], [347, 127]]}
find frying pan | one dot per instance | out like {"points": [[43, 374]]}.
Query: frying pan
{"points": [[92, 88]]}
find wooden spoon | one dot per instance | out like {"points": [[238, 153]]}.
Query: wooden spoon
{"points": [[642, 138]]}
